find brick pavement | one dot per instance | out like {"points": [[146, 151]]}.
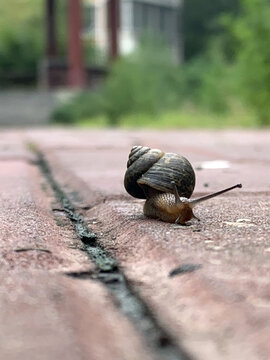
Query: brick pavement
{"points": [[221, 310]]}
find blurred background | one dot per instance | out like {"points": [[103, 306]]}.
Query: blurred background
{"points": [[135, 63]]}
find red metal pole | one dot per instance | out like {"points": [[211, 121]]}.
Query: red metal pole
{"points": [[113, 27], [75, 52]]}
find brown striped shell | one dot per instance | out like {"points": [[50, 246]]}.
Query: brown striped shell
{"points": [[152, 168]]}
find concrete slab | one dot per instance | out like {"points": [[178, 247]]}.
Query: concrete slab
{"points": [[26, 107]]}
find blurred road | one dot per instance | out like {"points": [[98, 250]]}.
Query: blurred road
{"points": [[84, 275]]}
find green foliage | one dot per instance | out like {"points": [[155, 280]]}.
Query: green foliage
{"points": [[251, 32], [148, 88], [148, 84], [147, 81], [84, 105], [21, 39], [200, 23], [205, 82], [236, 65], [188, 116]]}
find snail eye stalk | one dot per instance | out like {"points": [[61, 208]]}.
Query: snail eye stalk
{"points": [[176, 194], [210, 196]]}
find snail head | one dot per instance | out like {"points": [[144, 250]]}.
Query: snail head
{"points": [[185, 205]]}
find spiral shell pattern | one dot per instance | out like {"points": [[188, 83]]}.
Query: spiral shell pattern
{"points": [[155, 169]]}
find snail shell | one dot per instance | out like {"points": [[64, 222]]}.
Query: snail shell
{"points": [[153, 169]]}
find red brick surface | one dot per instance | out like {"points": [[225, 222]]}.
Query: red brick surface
{"points": [[53, 317], [44, 314], [32, 236], [219, 311], [99, 157]]}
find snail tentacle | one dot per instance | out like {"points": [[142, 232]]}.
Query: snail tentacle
{"points": [[176, 194]]}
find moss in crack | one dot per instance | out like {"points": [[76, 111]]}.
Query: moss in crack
{"points": [[99, 256]]}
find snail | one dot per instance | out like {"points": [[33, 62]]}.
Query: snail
{"points": [[166, 181]]}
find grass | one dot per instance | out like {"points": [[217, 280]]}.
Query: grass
{"points": [[186, 117]]}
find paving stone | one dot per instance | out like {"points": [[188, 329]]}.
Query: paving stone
{"points": [[32, 235], [50, 317], [221, 309], [43, 313], [98, 158], [13, 146]]}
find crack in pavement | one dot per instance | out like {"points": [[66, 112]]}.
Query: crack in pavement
{"points": [[110, 275]]}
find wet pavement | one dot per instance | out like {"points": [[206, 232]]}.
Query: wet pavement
{"points": [[86, 276]]}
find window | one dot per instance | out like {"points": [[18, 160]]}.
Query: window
{"points": [[88, 19], [170, 23], [156, 18], [126, 16], [140, 16]]}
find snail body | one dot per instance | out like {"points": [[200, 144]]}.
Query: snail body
{"points": [[166, 181], [163, 207]]}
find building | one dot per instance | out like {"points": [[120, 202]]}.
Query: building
{"points": [[135, 18], [113, 27]]}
